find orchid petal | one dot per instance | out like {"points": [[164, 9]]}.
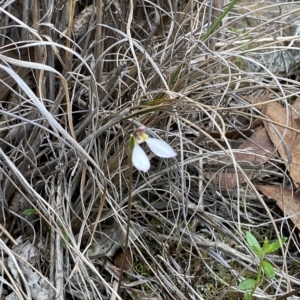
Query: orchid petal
{"points": [[160, 148], [139, 159]]}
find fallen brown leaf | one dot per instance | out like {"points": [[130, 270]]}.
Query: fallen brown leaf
{"points": [[286, 199], [296, 113], [297, 121], [260, 150], [296, 106], [256, 99], [287, 141], [118, 261]]}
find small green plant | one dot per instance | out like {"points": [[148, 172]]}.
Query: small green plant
{"points": [[243, 36], [245, 47], [66, 238], [249, 284], [30, 212], [33, 212]]}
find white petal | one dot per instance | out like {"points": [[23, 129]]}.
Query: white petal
{"points": [[160, 148], [139, 159]]}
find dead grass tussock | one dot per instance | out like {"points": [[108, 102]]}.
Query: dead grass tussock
{"points": [[65, 128]]}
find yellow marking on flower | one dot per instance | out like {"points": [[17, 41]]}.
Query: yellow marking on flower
{"points": [[142, 138]]}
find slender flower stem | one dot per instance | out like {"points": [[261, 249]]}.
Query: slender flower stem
{"points": [[128, 220], [258, 278]]}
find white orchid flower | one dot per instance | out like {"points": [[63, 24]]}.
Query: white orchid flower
{"points": [[159, 147]]}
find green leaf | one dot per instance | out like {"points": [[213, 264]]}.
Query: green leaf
{"points": [[234, 30], [244, 31], [253, 243], [258, 251], [272, 247], [268, 269], [247, 284], [251, 240], [245, 47], [30, 212], [266, 242], [247, 296]]}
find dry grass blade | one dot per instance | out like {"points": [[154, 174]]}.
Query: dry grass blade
{"points": [[77, 78]]}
